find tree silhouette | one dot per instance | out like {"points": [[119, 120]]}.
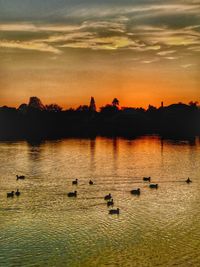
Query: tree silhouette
{"points": [[193, 104], [36, 121], [53, 108], [36, 103], [83, 108], [115, 102], [92, 106]]}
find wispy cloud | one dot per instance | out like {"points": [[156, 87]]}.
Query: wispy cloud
{"points": [[30, 27], [186, 66], [42, 47], [165, 53], [128, 9], [194, 48], [150, 61], [111, 27], [171, 58]]}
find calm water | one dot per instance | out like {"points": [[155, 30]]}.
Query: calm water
{"points": [[43, 227]]}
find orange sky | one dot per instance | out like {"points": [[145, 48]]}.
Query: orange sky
{"points": [[71, 81], [140, 53]]}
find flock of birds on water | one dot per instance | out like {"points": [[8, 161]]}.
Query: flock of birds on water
{"points": [[108, 198]]}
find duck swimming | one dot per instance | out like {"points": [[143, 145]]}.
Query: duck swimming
{"points": [[107, 197], [135, 191], [188, 180], [17, 193], [114, 211], [91, 182], [110, 203], [11, 194], [20, 177], [153, 186], [72, 194], [75, 182], [147, 179]]}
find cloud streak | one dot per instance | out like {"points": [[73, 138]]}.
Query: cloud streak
{"points": [[42, 47], [128, 26]]}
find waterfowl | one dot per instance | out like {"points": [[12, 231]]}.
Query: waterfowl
{"points": [[20, 177], [147, 179], [17, 193], [114, 211], [107, 197], [72, 194], [135, 191], [110, 203], [188, 180], [11, 194], [91, 182], [153, 186], [75, 182]]}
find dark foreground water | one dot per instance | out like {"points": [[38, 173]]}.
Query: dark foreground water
{"points": [[43, 227]]}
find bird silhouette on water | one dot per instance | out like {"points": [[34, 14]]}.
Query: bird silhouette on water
{"points": [[72, 194], [75, 182], [17, 193], [114, 211], [135, 191], [110, 203], [20, 177], [147, 179], [10, 194], [188, 180], [153, 186], [107, 197]]}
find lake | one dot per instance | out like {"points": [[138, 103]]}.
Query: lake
{"points": [[44, 227]]}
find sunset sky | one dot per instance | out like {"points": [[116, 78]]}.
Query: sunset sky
{"points": [[64, 51]]}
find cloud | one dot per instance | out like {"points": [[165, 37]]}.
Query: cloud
{"points": [[194, 48], [135, 27], [164, 53], [171, 58], [186, 66], [101, 43], [137, 10], [150, 61], [167, 36], [42, 47], [30, 27]]}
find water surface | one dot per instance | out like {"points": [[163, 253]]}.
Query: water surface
{"points": [[43, 227]]}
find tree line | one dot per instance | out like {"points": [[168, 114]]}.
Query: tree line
{"points": [[37, 121]]}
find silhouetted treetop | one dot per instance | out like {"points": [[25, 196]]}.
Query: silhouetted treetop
{"points": [[92, 106], [53, 108], [36, 121], [84, 108], [194, 104], [36, 103], [115, 102], [23, 108]]}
